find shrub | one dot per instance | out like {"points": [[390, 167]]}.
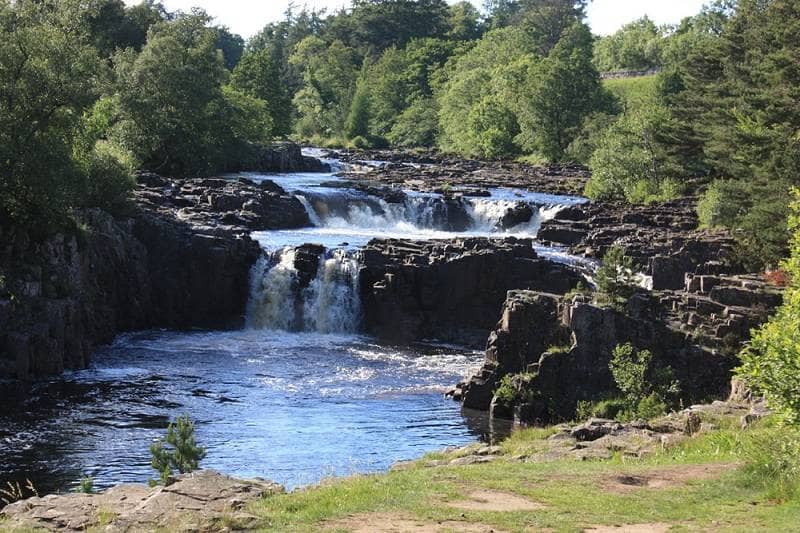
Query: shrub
{"points": [[183, 453], [506, 392], [600, 409], [771, 364], [86, 485], [645, 388], [615, 278], [360, 143]]}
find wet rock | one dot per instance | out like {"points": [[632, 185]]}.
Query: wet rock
{"points": [[521, 213], [433, 172], [283, 157], [449, 290], [76, 290], [193, 502], [237, 205]]}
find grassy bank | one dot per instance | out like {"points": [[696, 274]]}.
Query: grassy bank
{"points": [[703, 483]]}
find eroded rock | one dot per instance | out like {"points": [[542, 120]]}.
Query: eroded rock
{"points": [[193, 502]]}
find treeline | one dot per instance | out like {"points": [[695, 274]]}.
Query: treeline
{"points": [[90, 90]]}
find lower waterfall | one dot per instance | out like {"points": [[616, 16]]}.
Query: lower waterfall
{"points": [[329, 303]]}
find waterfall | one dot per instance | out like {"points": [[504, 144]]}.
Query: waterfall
{"points": [[353, 210], [329, 304], [272, 288], [312, 213]]}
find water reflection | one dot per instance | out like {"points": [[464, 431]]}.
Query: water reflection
{"points": [[290, 407]]}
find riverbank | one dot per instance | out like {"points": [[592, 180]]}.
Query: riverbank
{"points": [[686, 471]]}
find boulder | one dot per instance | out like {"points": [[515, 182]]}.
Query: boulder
{"points": [[194, 502]]}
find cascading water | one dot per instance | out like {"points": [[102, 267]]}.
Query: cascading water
{"points": [[272, 289], [329, 303], [349, 210]]}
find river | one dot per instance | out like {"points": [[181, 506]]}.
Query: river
{"points": [[281, 399]]}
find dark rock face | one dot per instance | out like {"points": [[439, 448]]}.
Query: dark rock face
{"points": [[64, 296], [286, 157], [214, 203], [697, 332], [514, 216], [432, 172], [449, 290], [663, 239]]}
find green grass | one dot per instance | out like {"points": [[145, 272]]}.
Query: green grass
{"points": [[632, 92], [572, 492]]}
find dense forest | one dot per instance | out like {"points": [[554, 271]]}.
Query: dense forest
{"points": [[92, 90]]}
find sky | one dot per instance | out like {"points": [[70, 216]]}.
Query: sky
{"points": [[247, 17]]}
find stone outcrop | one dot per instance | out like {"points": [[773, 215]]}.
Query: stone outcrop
{"points": [[662, 239], [432, 172], [449, 290], [62, 297], [195, 502], [226, 205], [545, 342], [285, 157]]}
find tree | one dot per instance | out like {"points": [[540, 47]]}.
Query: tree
{"points": [[464, 21], [178, 451], [732, 89], [231, 45], [48, 74], [375, 25], [631, 161], [645, 387], [771, 364], [477, 114], [329, 84], [636, 46], [615, 278], [172, 107], [559, 92], [258, 75], [417, 125], [357, 124]]}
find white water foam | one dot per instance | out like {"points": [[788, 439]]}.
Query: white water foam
{"points": [[330, 304]]}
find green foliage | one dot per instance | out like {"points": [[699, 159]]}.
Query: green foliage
{"points": [[47, 78], [558, 93], [507, 392], [417, 125], [375, 25], [610, 409], [86, 485], [259, 76], [771, 364], [477, 115], [645, 387], [357, 124], [329, 80], [756, 213], [773, 462], [464, 22], [636, 46], [732, 91], [615, 278], [178, 451], [171, 102], [631, 161]]}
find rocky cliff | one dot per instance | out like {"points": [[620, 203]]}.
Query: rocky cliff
{"points": [[449, 290], [559, 348], [181, 259]]}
